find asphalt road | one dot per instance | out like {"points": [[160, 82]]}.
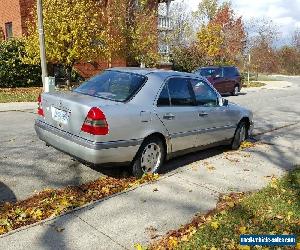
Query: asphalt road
{"points": [[27, 165]]}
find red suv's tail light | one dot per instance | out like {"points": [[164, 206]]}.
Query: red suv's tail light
{"points": [[40, 110], [95, 123]]}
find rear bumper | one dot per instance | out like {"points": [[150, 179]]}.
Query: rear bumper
{"points": [[85, 150]]}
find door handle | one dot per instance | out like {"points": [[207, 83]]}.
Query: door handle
{"points": [[203, 114], [169, 116]]}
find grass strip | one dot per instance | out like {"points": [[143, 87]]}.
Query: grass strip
{"points": [[53, 202], [272, 210], [253, 85], [19, 94]]}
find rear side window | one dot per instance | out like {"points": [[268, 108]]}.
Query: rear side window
{"points": [[112, 85], [179, 91], [230, 72], [164, 98]]}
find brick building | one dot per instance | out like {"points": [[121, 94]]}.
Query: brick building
{"points": [[15, 13]]}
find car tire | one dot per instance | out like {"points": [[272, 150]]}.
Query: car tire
{"points": [[240, 135], [236, 90], [149, 158]]}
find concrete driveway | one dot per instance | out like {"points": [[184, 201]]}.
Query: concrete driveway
{"points": [[26, 164]]}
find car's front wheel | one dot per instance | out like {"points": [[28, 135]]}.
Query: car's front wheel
{"points": [[149, 158], [236, 90], [240, 135]]}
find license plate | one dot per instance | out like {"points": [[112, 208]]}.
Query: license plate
{"points": [[60, 116]]}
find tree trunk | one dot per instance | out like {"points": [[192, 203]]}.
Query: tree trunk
{"points": [[68, 70], [109, 62]]}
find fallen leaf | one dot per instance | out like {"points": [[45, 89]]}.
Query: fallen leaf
{"points": [[138, 246], [105, 190], [289, 215], [172, 242], [210, 167], [246, 144], [214, 224], [37, 214], [230, 204], [244, 248], [59, 229], [242, 230]]}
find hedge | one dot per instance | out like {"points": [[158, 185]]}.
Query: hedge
{"points": [[13, 72]]}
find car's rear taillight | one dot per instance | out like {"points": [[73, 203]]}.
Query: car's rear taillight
{"points": [[95, 123], [40, 110]]}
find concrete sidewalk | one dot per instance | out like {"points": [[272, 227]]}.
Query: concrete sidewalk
{"points": [[271, 85], [18, 106], [151, 210]]}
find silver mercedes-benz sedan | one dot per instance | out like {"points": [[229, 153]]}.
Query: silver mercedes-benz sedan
{"points": [[140, 117]]}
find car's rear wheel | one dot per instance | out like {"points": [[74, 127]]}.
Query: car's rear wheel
{"points": [[149, 158], [236, 90], [240, 135]]}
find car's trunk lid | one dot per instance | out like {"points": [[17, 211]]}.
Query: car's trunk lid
{"points": [[68, 110]]}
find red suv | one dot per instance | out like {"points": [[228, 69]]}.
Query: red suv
{"points": [[225, 79]]}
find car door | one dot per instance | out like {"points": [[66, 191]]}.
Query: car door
{"points": [[218, 80], [177, 110], [229, 79], [215, 121]]}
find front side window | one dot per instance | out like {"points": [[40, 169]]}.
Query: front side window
{"points": [[230, 72], [205, 96], [112, 85], [177, 92], [181, 93]]}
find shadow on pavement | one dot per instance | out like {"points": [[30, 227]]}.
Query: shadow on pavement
{"points": [[168, 166], [6, 194]]}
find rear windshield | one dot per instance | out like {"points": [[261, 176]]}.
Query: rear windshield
{"points": [[210, 72], [112, 85]]}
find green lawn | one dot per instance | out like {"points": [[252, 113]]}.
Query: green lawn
{"points": [[262, 77], [273, 210], [19, 94], [253, 84], [259, 77]]}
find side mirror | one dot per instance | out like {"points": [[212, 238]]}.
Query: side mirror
{"points": [[223, 102]]}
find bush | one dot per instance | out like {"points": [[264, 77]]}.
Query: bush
{"points": [[186, 59], [13, 72]]}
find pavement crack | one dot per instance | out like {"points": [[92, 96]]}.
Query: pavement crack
{"points": [[275, 129], [106, 235], [199, 185]]}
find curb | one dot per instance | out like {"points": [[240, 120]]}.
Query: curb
{"points": [[17, 106]]}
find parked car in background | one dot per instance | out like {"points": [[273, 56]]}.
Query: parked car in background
{"points": [[226, 79], [140, 117]]}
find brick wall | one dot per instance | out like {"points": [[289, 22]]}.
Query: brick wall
{"points": [[26, 9], [10, 12], [89, 69]]}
